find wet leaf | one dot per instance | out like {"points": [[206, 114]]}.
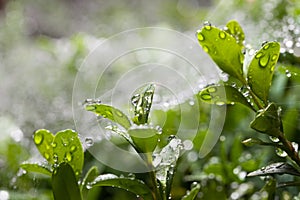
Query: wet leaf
{"points": [[252, 141], [36, 167], [223, 94], [67, 148], [236, 31], [64, 183], [109, 112], [144, 138], [223, 49], [261, 69], [43, 140], [142, 103], [129, 184], [89, 177], [268, 121], [192, 194], [275, 168]]}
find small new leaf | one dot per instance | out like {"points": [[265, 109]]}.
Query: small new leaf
{"points": [[36, 167], [261, 69], [224, 49], [109, 112], [234, 29], [192, 194]]}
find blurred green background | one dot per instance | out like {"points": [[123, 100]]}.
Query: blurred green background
{"points": [[43, 43]]}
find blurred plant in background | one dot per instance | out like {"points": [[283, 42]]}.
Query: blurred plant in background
{"points": [[42, 46]]}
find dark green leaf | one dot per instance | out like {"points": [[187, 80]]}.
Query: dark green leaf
{"points": [[43, 140], [275, 168], [268, 121], [144, 138], [89, 177], [64, 183], [132, 185], [223, 94], [36, 167], [109, 112], [142, 103], [67, 148], [192, 194], [223, 49], [261, 69], [236, 31]]}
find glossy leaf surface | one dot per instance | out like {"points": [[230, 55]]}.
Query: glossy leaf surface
{"points": [[132, 185], [109, 112], [236, 31], [43, 140], [36, 167], [261, 69], [223, 49], [64, 183], [222, 94]]}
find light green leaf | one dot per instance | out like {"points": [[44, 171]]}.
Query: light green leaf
{"points": [[144, 138], [64, 183], [89, 177], [261, 69], [37, 167], [142, 103], [109, 112], [236, 31], [132, 185], [43, 140], [192, 194], [223, 94], [223, 49], [268, 121], [67, 148]]}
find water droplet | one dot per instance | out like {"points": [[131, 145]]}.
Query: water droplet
{"points": [[205, 48], [220, 103], [263, 62], [274, 139], [47, 156], [55, 157], [135, 99], [280, 152], [131, 176], [211, 89], [264, 43], [288, 73], [38, 138], [207, 25], [77, 173], [54, 144], [259, 55], [171, 137], [68, 157], [295, 145], [266, 46], [274, 57], [200, 36], [206, 97], [73, 148], [222, 35], [89, 141]]}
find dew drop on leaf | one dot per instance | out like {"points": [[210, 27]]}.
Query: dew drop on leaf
{"points": [[200, 36], [68, 157], [259, 55], [53, 144], [206, 97], [207, 23], [135, 99], [274, 57], [89, 141], [288, 73], [38, 138], [280, 152], [222, 35], [47, 156], [266, 46], [212, 89], [55, 157], [274, 139], [205, 48], [73, 148], [263, 62]]}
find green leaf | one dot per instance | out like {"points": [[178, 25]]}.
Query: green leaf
{"points": [[192, 194], [132, 185], [109, 112], [36, 167], [89, 177], [145, 138], [67, 148], [223, 49], [223, 94], [261, 69], [236, 31], [64, 183], [252, 141], [43, 140], [275, 168], [268, 121], [142, 103]]}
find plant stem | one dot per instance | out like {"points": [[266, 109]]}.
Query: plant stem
{"points": [[152, 175], [289, 149]]}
